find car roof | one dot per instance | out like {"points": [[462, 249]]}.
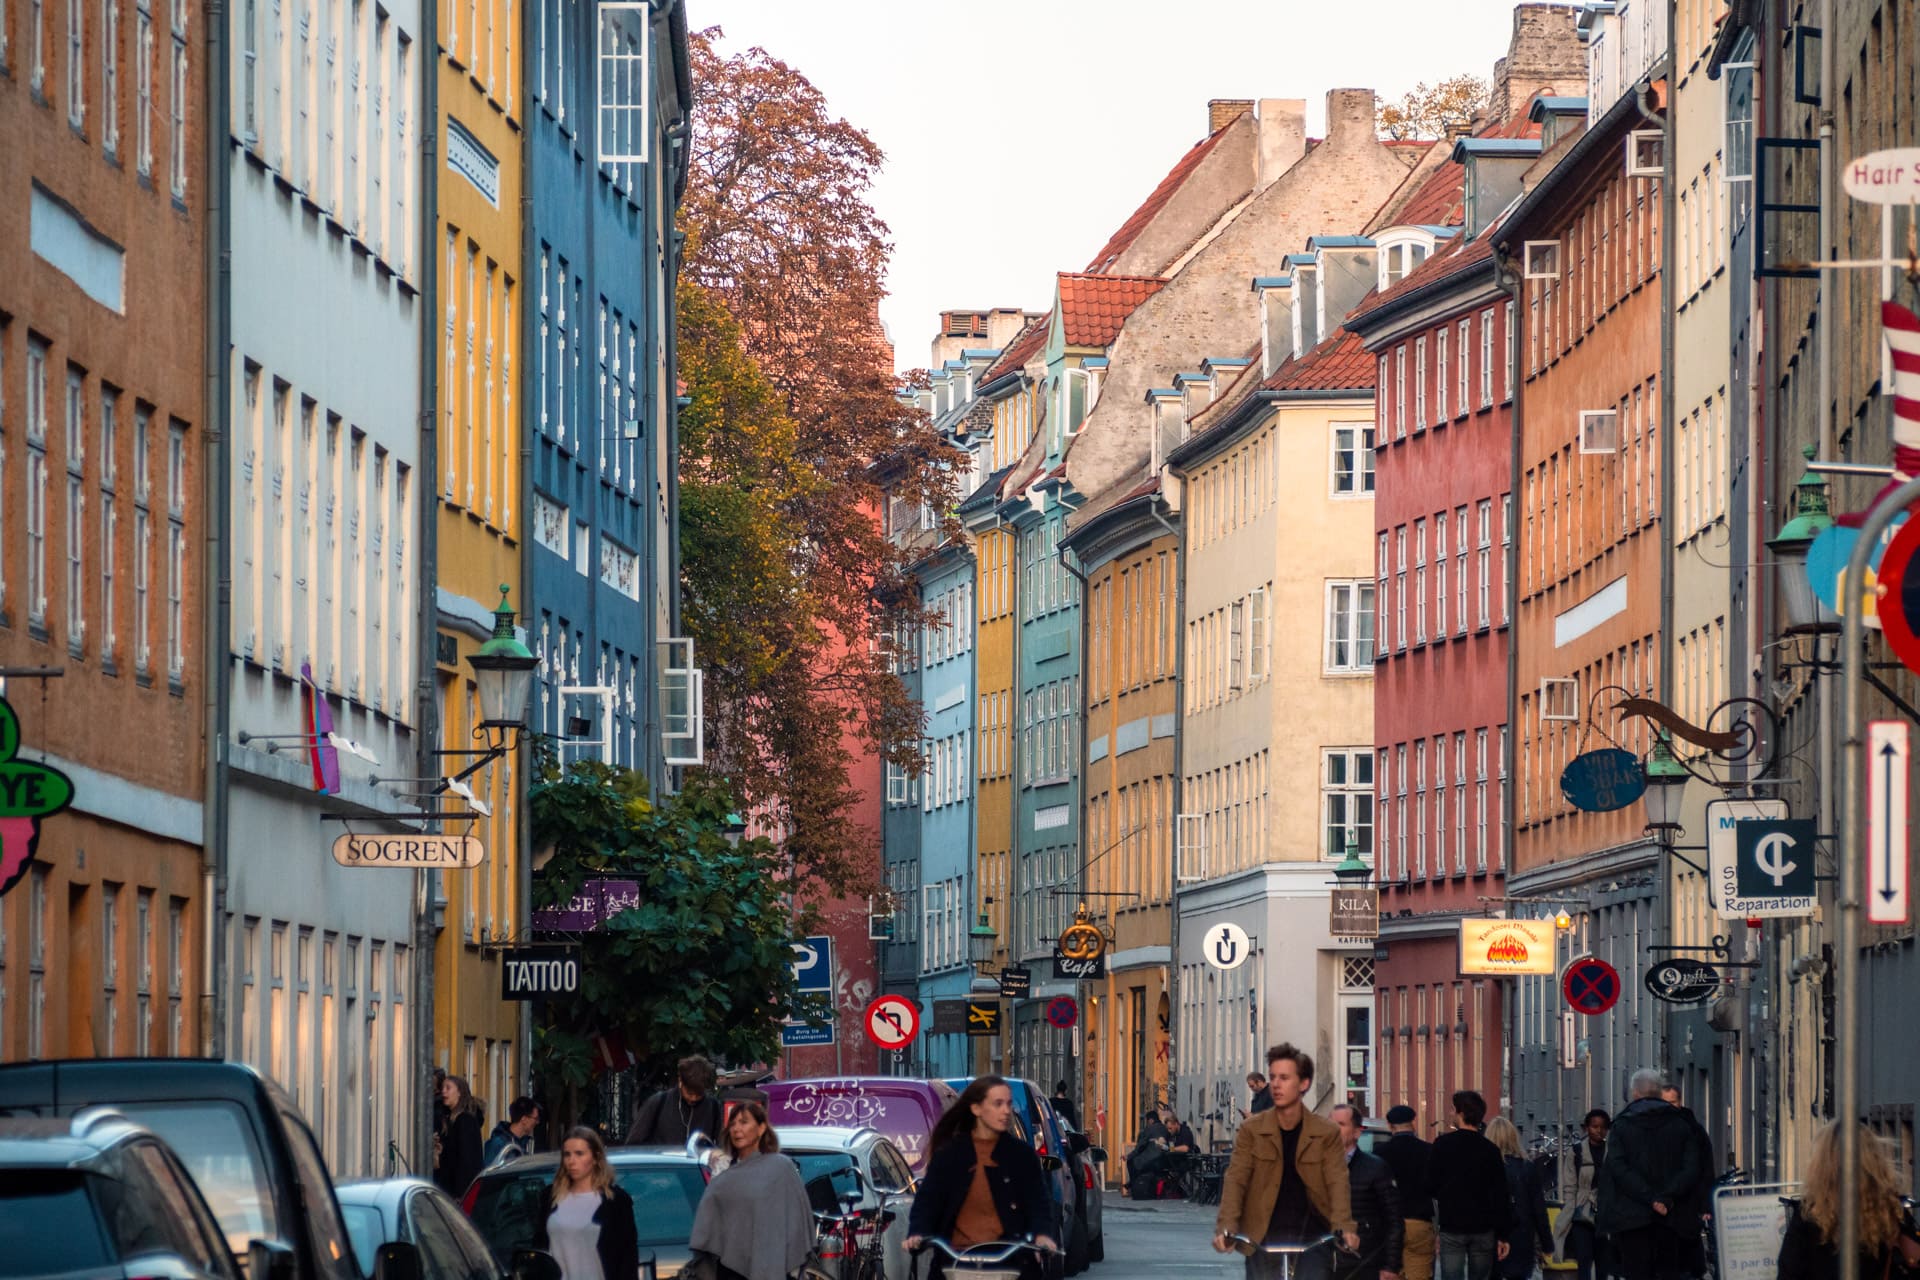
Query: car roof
{"points": [[804, 1137], [548, 1161], [384, 1194], [77, 1082], [48, 1142]]}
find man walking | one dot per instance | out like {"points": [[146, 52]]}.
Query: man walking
{"points": [[1652, 1167], [1407, 1156], [672, 1115], [512, 1137], [1699, 1203], [1471, 1209], [1287, 1181], [1262, 1099], [1376, 1206]]}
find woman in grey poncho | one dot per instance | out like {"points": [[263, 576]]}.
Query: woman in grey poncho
{"points": [[755, 1220]]}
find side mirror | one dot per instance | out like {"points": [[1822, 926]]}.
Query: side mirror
{"points": [[1097, 1154], [532, 1264], [1050, 1163], [270, 1260], [1078, 1143], [398, 1261]]}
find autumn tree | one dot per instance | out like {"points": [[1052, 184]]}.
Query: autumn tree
{"points": [[792, 590], [1427, 111]]}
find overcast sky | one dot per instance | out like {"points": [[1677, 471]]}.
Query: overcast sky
{"points": [[1020, 133]]}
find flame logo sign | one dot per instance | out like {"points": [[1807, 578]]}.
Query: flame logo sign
{"points": [[1507, 948]]}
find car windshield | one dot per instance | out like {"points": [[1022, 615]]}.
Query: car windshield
{"points": [[49, 1224], [829, 1176], [664, 1198], [216, 1143], [365, 1232]]}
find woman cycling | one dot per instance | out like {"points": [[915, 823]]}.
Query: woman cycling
{"points": [[754, 1221], [982, 1183]]}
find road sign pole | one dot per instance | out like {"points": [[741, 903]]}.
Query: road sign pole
{"points": [[1852, 867]]}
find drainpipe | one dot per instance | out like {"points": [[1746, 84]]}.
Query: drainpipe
{"points": [[1829, 316], [1507, 281], [426, 732], [1178, 604], [526, 390], [1661, 926], [1080, 1026], [217, 501]]}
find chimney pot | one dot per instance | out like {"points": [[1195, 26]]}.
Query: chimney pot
{"points": [[1224, 111]]}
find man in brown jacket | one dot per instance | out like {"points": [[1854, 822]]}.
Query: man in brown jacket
{"points": [[1287, 1181]]}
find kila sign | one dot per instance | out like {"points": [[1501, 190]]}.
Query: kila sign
{"points": [[533, 973], [28, 793], [1683, 981], [1355, 913]]}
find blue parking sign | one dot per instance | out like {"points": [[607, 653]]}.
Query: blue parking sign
{"points": [[813, 964]]}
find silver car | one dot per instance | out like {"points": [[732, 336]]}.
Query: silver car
{"points": [[417, 1212], [886, 1182]]}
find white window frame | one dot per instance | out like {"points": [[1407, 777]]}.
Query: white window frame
{"points": [[1506, 552], [1463, 379], [1486, 358], [1190, 847], [76, 509], [683, 727], [1440, 804], [1460, 802], [1352, 448], [1420, 581], [1259, 636], [1560, 699], [77, 63], [177, 101], [1385, 570], [109, 516], [1400, 587], [1354, 791], [1419, 808], [1485, 550], [1420, 383], [1400, 391], [1599, 431], [1440, 375], [1347, 597], [1737, 138], [38, 356], [1480, 798], [1540, 260], [1400, 808], [1460, 547], [142, 540], [1509, 358], [1440, 576], [109, 75]]}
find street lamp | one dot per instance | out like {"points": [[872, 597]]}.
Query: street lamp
{"points": [[980, 942], [503, 668], [1666, 783], [1352, 873], [1811, 518]]}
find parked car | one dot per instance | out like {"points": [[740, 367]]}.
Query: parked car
{"points": [[97, 1196], [885, 1182], [239, 1136], [903, 1110], [382, 1211], [1090, 1161], [1046, 1131], [666, 1183]]}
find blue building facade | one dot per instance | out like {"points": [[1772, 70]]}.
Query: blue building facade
{"points": [[608, 93]]}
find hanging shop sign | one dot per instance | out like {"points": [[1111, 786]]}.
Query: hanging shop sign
{"points": [[949, 1017], [535, 973], [1015, 982], [1602, 781], [1506, 948], [1354, 913], [598, 900], [1773, 868], [983, 1017], [1883, 177], [1683, 981], [1725, 818], [29, 791], [410, 850], [1080, 952], [1226, 946]]}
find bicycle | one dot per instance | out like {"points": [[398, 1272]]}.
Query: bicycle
{"points": [[1286, 1253], [980, 1261]]}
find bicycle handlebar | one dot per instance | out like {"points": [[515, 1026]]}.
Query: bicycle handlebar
{"points": [[1294, 1248], [978, 1253]]}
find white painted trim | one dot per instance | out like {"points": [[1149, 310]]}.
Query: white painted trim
{"points": [[1138, 958], [114, 799], [1608, 602]]}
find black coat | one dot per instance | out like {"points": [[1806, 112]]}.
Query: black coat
{"points": [[1701, 1201], [1531, 1230], [1377, 1212], [666, 1120], [459, 1154], [1018, 1184], [1407, 1156], [1651, 1156], [619, 1244], [1469, 1181]]}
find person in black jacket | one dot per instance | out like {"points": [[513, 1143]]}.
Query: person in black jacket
{"points": [[1531, 1233], [1699, 1203], [1471, 1210], [982, 1183], [671, 1116], [1407, 1156], [1651, 1167], [587, 1222], [460, 1144], [1376, 1207]]}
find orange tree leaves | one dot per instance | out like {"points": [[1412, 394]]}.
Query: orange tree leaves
{"points": [[792, 591]]}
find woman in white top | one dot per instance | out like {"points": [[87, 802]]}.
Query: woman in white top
{"points": [[588, 1225]]}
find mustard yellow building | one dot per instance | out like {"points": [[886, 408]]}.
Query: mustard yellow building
{"points": [[476, 1034]]}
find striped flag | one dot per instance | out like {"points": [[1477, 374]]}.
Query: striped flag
{"points": [[1902, 328], [316, 720]]}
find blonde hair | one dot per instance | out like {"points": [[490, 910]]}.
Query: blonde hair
{"points": [[1879, 1190], [1502, 1134], [602, 1178]]}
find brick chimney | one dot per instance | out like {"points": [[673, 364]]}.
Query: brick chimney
{"points": [[1350, 118], [1282, 126], [1224, 111]]}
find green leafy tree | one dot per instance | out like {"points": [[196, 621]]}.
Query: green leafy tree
{"points": [[702, 965]]}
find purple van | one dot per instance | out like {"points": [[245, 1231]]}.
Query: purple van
{"points": [[901, 1109]]}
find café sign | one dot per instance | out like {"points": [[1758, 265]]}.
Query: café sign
{"points": [[29, 791], [410, 850], [1506, 948]]}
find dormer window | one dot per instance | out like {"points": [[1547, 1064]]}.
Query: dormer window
{"points": [[1306, 311], [1400, 253]]}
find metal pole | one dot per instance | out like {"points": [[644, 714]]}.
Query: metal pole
{"points": [[1852, 866]]}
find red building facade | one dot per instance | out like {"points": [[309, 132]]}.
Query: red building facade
{"points": [[1443, 534]]}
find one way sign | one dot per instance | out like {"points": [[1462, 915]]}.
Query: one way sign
{"points": [[1887, 869]]}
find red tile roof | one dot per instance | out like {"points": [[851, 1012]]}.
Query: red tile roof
{"points": [[1437, 202], [1130, 229], [1093, 307], [1025, 343], [1338, 364]]}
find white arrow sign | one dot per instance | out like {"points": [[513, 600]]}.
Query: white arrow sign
{"points": [[1887, 870]]}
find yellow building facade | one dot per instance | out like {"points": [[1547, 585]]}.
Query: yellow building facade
{"points": [[476, 1034]]}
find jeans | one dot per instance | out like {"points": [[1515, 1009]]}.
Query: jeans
{"points": [[1314, 1264], [1465, 1256]]}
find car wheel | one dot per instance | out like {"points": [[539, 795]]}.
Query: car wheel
{"points": [[1077, 1248], [1097, 1247]]}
